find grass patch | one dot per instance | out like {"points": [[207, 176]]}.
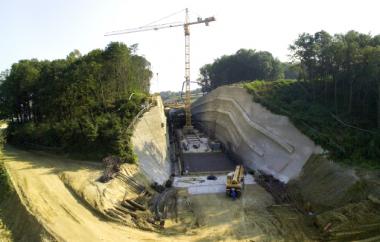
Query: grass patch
{"points": [[5, 190], [5, 185], [316, 120]]}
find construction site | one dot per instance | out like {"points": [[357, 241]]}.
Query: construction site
{"points": [[220, 168], [179, 190]]}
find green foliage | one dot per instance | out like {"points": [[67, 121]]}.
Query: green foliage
{"points": [[170, 96], [5, 187], [243, 66], [336, 100], [2, 139], [80, 105], [342, 71], [314, 118]]}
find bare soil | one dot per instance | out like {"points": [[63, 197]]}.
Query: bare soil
{"points": [[61, 194]]}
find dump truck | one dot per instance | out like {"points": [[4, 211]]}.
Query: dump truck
{"points": [[235, 182]]}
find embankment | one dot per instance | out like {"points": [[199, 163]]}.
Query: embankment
{"points": [[16, 221], [344, 201], [260, 139], [150, 143]]}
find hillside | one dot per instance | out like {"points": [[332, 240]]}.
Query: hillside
{"points": [[335, 100], [344, 142]]}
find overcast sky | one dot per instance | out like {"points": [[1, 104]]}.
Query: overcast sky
{"points": [[50, 29]]}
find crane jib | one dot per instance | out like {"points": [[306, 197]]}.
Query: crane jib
{"points": [[186, 25]]}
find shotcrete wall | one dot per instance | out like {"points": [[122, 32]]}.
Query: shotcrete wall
{"points": [[261, 139], [150, 143]]}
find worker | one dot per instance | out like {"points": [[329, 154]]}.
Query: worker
{"points": [[233, 193]]}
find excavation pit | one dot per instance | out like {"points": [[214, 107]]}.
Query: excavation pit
{"points": [[200, 155]]}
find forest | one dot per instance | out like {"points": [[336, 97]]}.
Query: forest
{"points": [[242, 66], [335, 98], [80, 105]]}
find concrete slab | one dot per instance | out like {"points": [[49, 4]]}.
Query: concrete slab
{"points": [[200, 184]]}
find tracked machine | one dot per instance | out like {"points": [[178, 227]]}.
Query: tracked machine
{"points": [[235, 182]]}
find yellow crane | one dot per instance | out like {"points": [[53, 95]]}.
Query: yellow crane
{"points": [[235, 182], [186, 26]]}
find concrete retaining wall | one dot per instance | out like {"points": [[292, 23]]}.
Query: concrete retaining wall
{"points": [[261, 139], [150, 142]]}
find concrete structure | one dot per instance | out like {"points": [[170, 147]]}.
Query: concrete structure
{"points": [[200, 155], [207, 163], [200, 184], [150, 142], [259, 138]]}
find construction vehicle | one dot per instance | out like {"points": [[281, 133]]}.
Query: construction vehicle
{"points": [[235, 182], [186, 25]]}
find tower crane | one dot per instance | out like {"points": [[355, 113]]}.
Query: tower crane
{"points": [[186, 25]]}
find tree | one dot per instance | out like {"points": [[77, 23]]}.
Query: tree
{"points": [[343, 70], [79, 104], [244, 65]]}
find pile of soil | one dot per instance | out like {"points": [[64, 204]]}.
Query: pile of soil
{"points": [[343, 201]]}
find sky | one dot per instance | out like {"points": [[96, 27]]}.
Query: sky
{"points": [[51, 29]]}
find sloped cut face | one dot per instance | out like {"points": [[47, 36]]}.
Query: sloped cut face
{"points": [[258, 138]]}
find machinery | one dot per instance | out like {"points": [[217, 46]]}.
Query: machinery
{"points": [[235, 182], [186, 26]]}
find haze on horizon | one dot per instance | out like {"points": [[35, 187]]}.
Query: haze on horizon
{"points": [[45, 29]]}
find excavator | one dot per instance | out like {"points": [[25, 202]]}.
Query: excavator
{"points": [[235, 182]]}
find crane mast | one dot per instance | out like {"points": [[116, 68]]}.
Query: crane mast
{"points": [[188, 125], [186, 26]]}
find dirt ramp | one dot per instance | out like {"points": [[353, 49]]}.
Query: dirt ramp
{"points": [[327, 184], [16, 221], [343, 201], [22, 224]]}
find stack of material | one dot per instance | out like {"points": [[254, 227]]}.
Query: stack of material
{"points": [[112, 166]]}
